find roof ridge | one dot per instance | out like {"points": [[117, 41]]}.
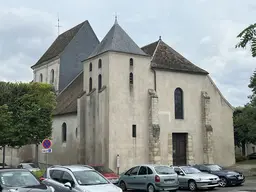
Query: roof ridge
{"points": [[155, 49]]}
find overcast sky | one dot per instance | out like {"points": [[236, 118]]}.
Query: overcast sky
{"points": [[204, 31]]}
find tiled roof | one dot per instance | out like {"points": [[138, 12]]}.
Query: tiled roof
{"points": [[59, 44], [117, 40], [166, 58], [67, 100]]}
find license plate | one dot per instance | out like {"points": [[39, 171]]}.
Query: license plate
{"points": [[214, 181], [169, 181]]}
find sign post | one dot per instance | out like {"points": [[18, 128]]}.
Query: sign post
{"points": [[47, 148]]}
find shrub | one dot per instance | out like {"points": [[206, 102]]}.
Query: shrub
{"points": [[39, 174], [240, 158]]}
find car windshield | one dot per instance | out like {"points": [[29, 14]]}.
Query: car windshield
{"points": [[214, 167], [165, 170], [18, 179], [190, 170], [89, 178], [29, 165], [103, 169]]}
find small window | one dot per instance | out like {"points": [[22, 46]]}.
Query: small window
{"points": [[99, 63], [90, 67], [133, 130], [67, 178], [52, 77], [131, 78], [143, 170], [99, 82], [64, 132], [76, 132], [178, 102], [90, 84], [149, 171], [56, 175], [131, 62], [135, 170], [41, 77]]}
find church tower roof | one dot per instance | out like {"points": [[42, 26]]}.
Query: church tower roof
{"points": [[117, 40]]}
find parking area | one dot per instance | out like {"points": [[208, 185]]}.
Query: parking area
{"points": [[248, 186]]}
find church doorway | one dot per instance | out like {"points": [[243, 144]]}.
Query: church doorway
{"points": [[179, 144]]}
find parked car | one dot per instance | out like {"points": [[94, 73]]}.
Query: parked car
{"points": [[5, 166], [106, 172], [77, 178], [21, 180], [251, 156], [193, 179], [227, 177], [149, 177], [28, 166]]}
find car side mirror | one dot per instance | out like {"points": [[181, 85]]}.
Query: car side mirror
{"points": [[182, 174], [68, 185]]}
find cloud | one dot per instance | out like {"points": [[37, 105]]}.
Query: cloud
{"points": [[204, 31], [25, 33]]}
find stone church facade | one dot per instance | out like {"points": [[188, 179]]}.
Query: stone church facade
{"points": [[147, 105]]}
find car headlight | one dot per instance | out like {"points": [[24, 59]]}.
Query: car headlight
{"points": [[52, 189]]}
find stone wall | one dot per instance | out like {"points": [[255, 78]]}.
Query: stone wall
{"points": [[207, 129], [154, 129]]}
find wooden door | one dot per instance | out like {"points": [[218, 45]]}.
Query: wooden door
{"points": [[179, 144]]}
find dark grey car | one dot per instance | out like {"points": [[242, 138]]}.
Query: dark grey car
{"points": [[21, 180]]}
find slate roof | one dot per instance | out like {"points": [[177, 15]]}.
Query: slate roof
{"points": [[166, 58], [119, 41], [67, 99], [60, 44]]}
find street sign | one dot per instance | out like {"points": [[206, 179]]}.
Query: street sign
{"points": [[47, 143], [47, 150]]}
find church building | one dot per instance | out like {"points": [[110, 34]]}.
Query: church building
{"points": [[142, 104]]}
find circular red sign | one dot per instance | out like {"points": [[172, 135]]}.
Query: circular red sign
{"points": [[47, 143]]}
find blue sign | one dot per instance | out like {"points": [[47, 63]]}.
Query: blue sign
{"points": [[46, 150], [47, 143]]}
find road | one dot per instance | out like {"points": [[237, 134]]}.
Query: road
{"points": [[248, 186]]}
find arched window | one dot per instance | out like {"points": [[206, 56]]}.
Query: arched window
{"points": [[64, 132], [41, 77], [131, 62], [99, 82], [52, 77], [131, 78], [90, 84], [99, 63], [90, 66], [178, 102]]}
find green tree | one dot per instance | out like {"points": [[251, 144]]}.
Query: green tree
{"points": [[6, 128], [244, 126], [248, 35], [31, 105]]}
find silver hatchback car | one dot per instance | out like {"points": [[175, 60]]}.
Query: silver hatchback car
{"points": [[77, 178], [149, 177]]}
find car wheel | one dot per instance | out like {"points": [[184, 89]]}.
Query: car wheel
{"points": [[123, 186], [192, 185], [151, 188], [223, 182]]}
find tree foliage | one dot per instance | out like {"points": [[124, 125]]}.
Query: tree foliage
{"points": [[248, 36], [245, 125], [30, 107]]}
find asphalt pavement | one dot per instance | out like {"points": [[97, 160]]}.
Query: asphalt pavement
{"points": [[248, 186]]}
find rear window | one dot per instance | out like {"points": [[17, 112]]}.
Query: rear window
{"points": [[103, 169], [164, 170]]}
